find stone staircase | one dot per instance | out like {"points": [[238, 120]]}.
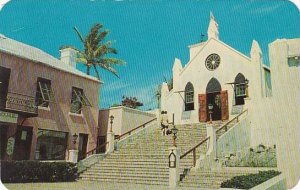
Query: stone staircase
{"points": [[144, 160]]}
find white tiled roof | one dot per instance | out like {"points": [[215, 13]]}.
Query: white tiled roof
{"points": [[22, 50]]}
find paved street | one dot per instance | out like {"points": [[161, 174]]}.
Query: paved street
{"points": [[85, 185]]}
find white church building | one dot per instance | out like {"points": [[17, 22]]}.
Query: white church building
{"points": [[216, 76], [222, 81]]}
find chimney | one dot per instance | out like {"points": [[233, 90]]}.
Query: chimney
{"points": [[68, 56]]}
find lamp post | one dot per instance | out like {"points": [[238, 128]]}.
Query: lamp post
{"points": [[111, 122], [75, 136], [210, 108], [174, 131]]}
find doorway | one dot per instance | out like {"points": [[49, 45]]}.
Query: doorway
{"points": [[3, 140], [214, 99], [101, 141], [23, 140], [213, 90], [83, 139]]}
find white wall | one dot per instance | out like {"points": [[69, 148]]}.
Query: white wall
{"points": [[125, 119], [235, 139]]}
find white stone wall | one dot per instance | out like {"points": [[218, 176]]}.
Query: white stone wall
{"points": [[235, 140], [125, 119]]}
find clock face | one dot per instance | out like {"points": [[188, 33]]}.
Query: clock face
{"points": [[212, 61]]}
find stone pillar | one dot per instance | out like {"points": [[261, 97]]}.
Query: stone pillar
{"points": [[212, 145], [111, 142], [73, 156], [174, 175]]}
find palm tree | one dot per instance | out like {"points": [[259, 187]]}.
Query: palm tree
{"points": [[96, 50]]}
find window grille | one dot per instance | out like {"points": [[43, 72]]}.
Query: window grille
{"points": [[44, 93], [78, 100]]}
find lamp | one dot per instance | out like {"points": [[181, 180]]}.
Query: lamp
{"points": [[111, 122], [172, 160], [174, 131], [210, 108], [75, 136]]}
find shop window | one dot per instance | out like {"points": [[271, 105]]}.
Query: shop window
{"points": [[294, 61], [51, 145], [189, 97], [44, 93], [78, 100]]}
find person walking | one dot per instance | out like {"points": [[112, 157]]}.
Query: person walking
{"points": [[164, 122]]}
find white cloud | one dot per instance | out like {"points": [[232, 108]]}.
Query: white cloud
{"points": [[2, 3]]}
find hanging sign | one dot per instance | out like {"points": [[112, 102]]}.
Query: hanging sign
{"points": [[8, 117], [10, 146]]}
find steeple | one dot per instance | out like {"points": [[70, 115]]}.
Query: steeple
{"points": [[213, 28]]}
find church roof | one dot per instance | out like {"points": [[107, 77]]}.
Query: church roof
{"points": [[34, 54]]}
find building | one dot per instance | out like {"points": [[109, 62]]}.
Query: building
{"points": [[216, 77], [46, 104], [219, 82]]}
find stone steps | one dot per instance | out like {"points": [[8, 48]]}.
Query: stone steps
{"points": [[144, 160]]}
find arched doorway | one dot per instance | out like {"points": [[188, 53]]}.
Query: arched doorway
{"points": [[213, 97]]}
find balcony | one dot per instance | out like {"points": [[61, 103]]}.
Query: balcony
{"points": [[20, 104]]}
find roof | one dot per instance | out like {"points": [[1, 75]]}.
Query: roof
{"points": [[25, 51]]}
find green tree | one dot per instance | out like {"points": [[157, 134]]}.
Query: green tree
{"points": [[131, 102], [96, 50]]}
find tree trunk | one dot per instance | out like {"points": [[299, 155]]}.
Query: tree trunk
{"points": [[88, 70]]}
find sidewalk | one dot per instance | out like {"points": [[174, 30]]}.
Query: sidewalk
{"points": [[87, 186]]}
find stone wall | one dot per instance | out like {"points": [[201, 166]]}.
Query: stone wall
{"points": [[125, 119], [235, 139]]}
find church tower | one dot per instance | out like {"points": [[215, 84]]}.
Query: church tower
{"points": [[213, 28]]}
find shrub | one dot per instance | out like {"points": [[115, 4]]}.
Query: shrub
{"points": [[37, 171], [250, 180]]}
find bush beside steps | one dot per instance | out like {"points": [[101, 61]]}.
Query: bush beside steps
{"points": [[250, 180], [36, 171]]}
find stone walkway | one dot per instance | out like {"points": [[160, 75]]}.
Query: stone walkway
{"points": [[86, 186]]}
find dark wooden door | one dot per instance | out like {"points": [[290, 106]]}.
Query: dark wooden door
{"points": [[3, 140], [83, 139], [22, 146], [224, 105], [101, 141], [202, 108]]}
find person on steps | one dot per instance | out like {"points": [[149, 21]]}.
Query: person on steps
{"points": [[164, 122]]}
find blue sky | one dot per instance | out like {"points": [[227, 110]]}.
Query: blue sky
{"points": [[148, 34]]}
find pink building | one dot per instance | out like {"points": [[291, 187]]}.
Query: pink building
{"points": [[44, 102]]}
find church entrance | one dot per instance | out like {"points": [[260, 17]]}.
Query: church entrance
{"points": [[214, 99]]}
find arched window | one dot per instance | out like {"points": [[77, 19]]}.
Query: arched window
{"points": [[189, 97], [240, 89], [213, 86]]}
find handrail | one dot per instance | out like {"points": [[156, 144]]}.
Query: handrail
{"points": [[129, 132], [227, 123], [194, 151], [93, 151]]}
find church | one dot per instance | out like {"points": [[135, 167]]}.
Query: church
{"points": [[217, 83]]}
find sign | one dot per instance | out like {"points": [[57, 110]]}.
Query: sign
{"points": [[8, 117], [23, 135], [10, 146]]}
